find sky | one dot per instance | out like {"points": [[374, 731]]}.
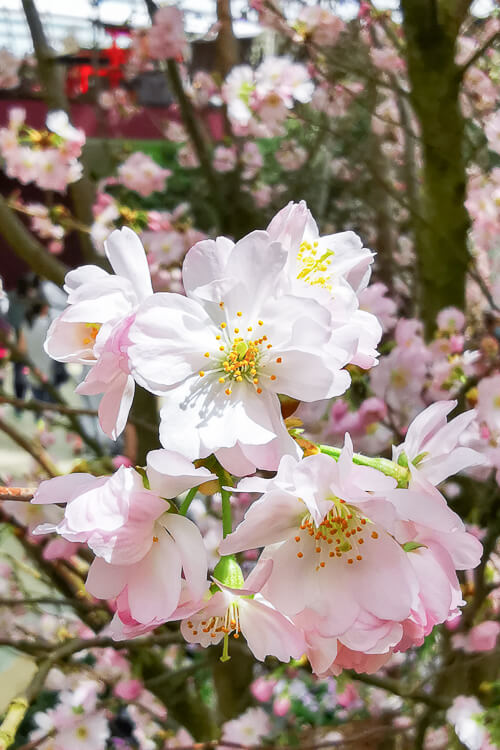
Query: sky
{"points": [[65, 18]]}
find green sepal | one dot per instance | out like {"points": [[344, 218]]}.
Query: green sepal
{"points": [[412, 546], [228, 572]]}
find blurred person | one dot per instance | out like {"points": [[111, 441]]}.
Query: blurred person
{"points": [[16, 313], [31, 340]]}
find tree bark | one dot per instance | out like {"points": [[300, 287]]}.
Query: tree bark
{"points": [[431, 28], [226, 45]]}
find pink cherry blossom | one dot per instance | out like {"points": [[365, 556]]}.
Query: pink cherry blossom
{"points": [[320, 24], [140, 173], [262, 689], [132, 534], [234, 611], [431, 445], [249, 728], [129, 690], [307, 521], [224, 159], [166, 38], [482, 637], [488, 403]]}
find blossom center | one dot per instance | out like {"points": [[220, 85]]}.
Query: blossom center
{"points": [[340, 534], [92, 331], [224, 624], [240, 358], [313, 267]]}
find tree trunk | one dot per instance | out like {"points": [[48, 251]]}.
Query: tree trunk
{"points": [[431, 28], [226, 45]]}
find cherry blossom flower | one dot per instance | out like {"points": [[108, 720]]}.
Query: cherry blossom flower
{"points": [[324, 525], [166, 38], [332, 269], [224, 159], [319, 24], [132, 534], [248, 729], [488, 403], [221, 356], [451, 319], [140, 173], [482, 637], [375, 300], [431, 447], [235, 611], [464, 714], [94, 328]]}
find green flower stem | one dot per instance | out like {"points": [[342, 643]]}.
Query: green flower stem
{"points": [[225, 479], [384, 465], [227, 524], [187, 501]]}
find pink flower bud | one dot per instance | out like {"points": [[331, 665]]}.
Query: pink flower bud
{"points": [[262, 689], [129, 690], [281, 705]]}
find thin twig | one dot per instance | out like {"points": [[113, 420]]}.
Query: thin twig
{"points": [[36, 451], [479, 52], [17, 494]]}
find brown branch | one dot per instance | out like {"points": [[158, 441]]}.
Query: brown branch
{"points": [[17, 494], [62, 408], [394, 686], [33, 744], [36, 451], [479, 52], [18, 356], [354, 738], [52, 600], [28, 248]]}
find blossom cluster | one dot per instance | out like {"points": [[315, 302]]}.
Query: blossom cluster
{"points": [[258, 100], [358, 561], [48, 158]]}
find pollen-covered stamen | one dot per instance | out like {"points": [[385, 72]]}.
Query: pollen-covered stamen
{"points": [[340, 534], [240, 358], [226, 624], [314, 265], [91, 335]]}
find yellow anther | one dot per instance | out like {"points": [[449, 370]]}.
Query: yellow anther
{"points": [[222, 380], [207, 354], [236, 330], [261, 322], [228, 391], [218, 337], [239, 314], [201, 373], [222, 325]]}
